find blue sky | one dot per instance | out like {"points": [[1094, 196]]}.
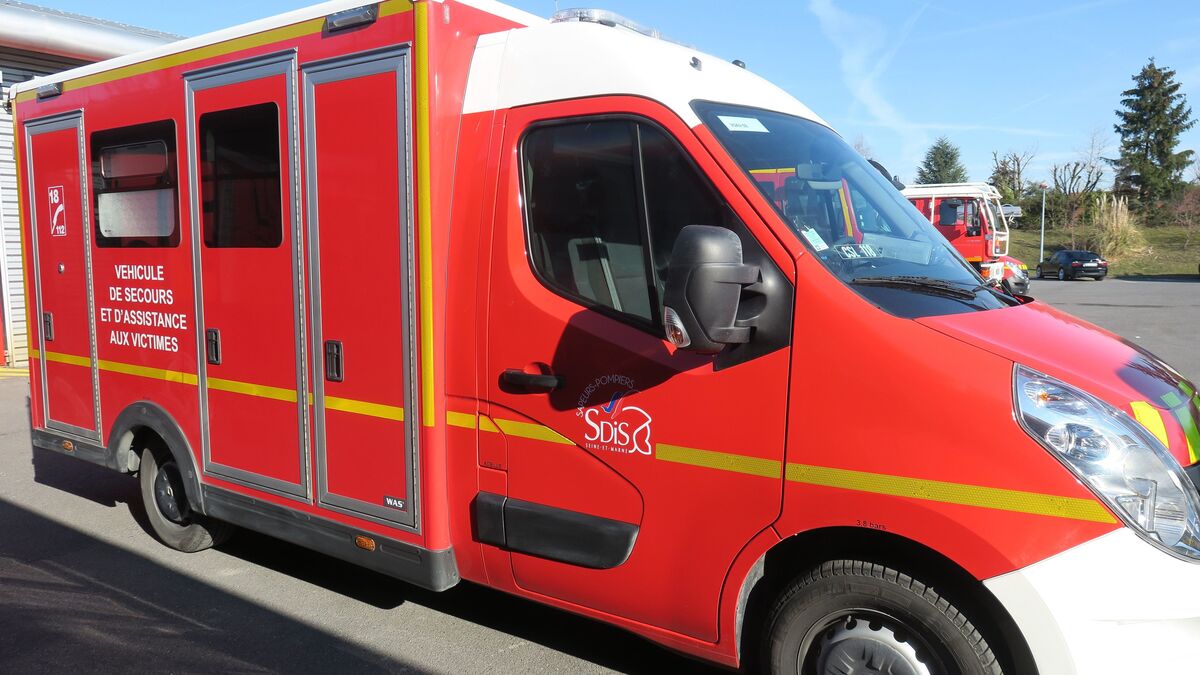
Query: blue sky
{"points": [[1013, 76]]}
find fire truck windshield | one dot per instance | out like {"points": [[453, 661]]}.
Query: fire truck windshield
{"points": [[849, 215]]}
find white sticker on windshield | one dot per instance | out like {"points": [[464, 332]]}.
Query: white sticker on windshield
{"points": [[815, 239], [853, 251], [743, 124]]}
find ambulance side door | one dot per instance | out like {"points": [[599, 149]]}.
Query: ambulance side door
{"points": [[636, 472]]}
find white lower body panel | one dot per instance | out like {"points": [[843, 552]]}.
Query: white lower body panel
{"points": [[1115, 604]]}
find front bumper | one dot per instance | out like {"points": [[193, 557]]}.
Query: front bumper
{"points": [[1114, 604]]}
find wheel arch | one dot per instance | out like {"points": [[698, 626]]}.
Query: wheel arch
{"points": [[133, 428], [794, 555]]}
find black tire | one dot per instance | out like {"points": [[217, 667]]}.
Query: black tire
{"points": [[847, 613], [1062, 276], [167, 507], [1041, 272]]}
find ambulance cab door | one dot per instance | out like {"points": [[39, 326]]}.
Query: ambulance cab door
{"points": [[245, 245], [59, 209], [635, 472]]}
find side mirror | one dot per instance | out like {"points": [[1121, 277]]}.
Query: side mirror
{"points": [[704, 287]]}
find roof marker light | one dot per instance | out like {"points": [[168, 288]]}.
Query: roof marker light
{"points": [[49, 90], [350, 18], [611, 19]]}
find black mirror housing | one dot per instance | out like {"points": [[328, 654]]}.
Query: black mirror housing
{"points": [[704, 288]]}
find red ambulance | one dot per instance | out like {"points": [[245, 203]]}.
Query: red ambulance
{"points": [[456, 293], [970, 216]]}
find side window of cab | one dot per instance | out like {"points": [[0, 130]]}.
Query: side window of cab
{"points": [[604, 201]]}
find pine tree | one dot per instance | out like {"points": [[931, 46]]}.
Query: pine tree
{"points": [[1155, 114], [942, 164]]}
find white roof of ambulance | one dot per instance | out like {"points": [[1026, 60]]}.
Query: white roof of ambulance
{"points": [[951, 190], [574, 59]]}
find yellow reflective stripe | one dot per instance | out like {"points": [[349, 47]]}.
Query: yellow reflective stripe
{"points": [[724, 461], [146, 371], [290, 32], [1001, 499], [69, 359], [259, 390], [380, 410], [766, 171], [486, 424], [1149, 417], [460, 419], [536, 432], [424, 217]]}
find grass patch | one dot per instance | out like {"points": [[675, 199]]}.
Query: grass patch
{"points": [[1164, 254]]}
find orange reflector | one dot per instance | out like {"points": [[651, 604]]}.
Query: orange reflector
{"points": [[365, 543], [68, 446]]}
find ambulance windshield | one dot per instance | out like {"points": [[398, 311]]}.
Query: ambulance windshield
{"points": [[849, 215]]}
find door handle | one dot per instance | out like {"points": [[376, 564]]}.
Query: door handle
{"points": [[333, 360], [516, 381], [48, 326], [212, 346]]}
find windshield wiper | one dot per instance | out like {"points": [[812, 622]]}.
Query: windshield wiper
{"points": [[920, 284]]}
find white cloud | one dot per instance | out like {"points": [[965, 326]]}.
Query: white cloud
{"points": [[863, 43]]}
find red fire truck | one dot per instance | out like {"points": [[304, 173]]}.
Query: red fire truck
{"points": [[970, 216], [456, 293]]}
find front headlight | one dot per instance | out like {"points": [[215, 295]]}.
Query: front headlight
{"points": [[1116, 457]]}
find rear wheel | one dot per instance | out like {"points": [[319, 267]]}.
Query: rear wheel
{"points": [[1062, 275], [853, 616], [167, 508]]}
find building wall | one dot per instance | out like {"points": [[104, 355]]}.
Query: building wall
{"points": [[15, 66]]}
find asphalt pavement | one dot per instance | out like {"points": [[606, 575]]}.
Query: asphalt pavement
{"points": [[84, 586]]}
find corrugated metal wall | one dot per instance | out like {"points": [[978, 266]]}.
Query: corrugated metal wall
{"points": [[15, 66]]}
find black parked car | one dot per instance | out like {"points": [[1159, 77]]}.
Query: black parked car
{"points": [[1074, 264]]}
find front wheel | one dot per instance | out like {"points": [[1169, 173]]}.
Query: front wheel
{"points": [[852, 616], [167, 508], [1041, 272]]}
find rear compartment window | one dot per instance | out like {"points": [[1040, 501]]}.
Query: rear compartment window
{"points": [[135, 186], [605, 200], [241, 201]]}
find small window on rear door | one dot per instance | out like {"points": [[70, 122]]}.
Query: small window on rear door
{"points": [[241, 199], [134, 181]]}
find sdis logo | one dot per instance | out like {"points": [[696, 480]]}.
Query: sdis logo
{"points": [[617, 426]]}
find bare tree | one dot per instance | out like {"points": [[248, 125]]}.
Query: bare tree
{"points": [[1092, 155], [860, 144], [1075, 181], [1008, 172]]}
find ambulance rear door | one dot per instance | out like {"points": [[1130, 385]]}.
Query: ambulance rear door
{"points": [[58, 211]]}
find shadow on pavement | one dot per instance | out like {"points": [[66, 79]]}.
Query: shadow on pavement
{"points": [[120, 612], [132, 609]]}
